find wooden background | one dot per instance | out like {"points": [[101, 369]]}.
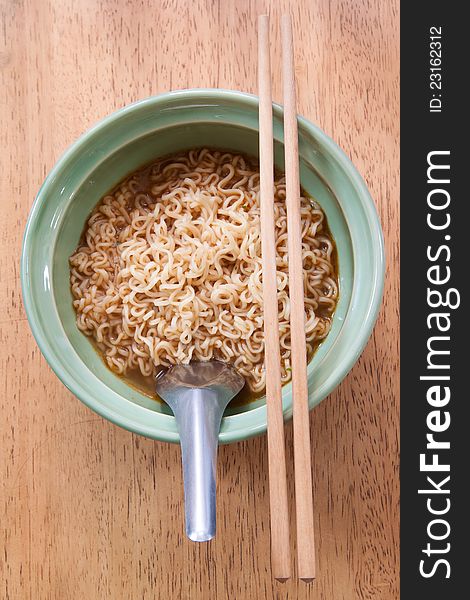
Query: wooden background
{"points": [[88, 510]]}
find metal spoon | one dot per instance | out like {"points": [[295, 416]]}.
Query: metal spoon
{"points": [[198, 394]]}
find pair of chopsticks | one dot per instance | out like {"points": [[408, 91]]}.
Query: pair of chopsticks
{"points": [[280, 547]]}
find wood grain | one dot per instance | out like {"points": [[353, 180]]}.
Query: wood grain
{"points": [[88, 510]]}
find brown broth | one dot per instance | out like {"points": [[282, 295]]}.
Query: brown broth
{"points": [[145, 384]]}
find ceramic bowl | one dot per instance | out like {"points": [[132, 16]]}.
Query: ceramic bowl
{"points": [[134, 136]]}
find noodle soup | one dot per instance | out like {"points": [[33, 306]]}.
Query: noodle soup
{"points": [[168, 270]]}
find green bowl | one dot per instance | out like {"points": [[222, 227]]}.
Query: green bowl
{"points": [[136, 135]]}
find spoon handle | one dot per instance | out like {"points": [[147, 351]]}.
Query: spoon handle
{"points": [[198, 414]]}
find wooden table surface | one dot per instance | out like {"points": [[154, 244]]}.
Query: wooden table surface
{"points": [[88, 510]]}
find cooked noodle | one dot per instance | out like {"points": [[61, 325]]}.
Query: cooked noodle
{"points": [[169, 268]]}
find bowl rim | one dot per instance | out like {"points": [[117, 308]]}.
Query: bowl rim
{"points": [[362, 191]]}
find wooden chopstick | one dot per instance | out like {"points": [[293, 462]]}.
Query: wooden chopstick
{"points": [[279, 514], [302, 458]]}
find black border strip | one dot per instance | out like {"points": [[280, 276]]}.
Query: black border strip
{"points": [[434, 257]]}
